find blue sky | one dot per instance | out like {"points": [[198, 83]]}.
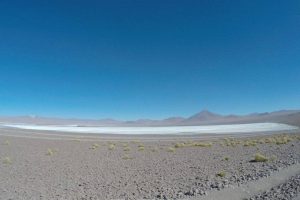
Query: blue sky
{"points": [[148, 59]]}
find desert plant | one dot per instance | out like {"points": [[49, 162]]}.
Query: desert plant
{"points": [[261, 141], [250, 143], [269, 140], [221, 174], [260, 158], [126, 148], [95, 146], [226, 158], [202, 144], [111, 147], [171, 149], [7, 160], [126, 157], [50, 152], [7, 142], [141, 145], [179, 145], [188, 143], [141, 148]]}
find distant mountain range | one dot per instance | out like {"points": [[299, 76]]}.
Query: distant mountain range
{"points": [[204, 117]]}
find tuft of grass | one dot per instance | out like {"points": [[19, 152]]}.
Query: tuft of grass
{"points": [[111, 147], [76, 140], [141, 145], [141, 148], [127, 149], [261, 141], [282, 140], [50, 152], [7, 142], [179, 145], [230, 142], [127, 157], [95, 146], [270, 140], [171, 149], [7, 160], [260, 158], [250, 143], [226, 158], [202, 144], [221, 174]]}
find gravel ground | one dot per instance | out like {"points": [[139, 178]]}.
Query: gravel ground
{"points": [[285, 191], [81, 170]]}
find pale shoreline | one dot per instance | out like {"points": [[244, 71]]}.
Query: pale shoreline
{"points": [[167, 130]]}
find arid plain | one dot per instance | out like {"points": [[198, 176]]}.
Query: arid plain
{"points": [[50, 165]]}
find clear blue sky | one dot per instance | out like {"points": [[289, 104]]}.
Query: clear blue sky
{"points": [[148, 59]]}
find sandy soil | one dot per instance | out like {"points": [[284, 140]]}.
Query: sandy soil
{"points": [[75, 168]]}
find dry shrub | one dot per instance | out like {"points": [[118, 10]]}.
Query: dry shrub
{"points": [[221, 174], [260, 158], [7, 160], [171, 149]]}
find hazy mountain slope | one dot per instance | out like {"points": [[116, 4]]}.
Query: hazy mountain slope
{"points": [[204, 117], [288, 116]]}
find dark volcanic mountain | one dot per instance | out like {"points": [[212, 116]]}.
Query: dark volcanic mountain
{"points": [[204, 117]]}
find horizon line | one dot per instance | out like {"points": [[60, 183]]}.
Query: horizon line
{"points": [[157, 119]]}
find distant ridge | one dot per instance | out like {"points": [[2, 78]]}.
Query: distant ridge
{"points": [[204, 117]]}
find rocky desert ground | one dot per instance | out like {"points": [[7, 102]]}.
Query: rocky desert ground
{"points": [[45, 165]]}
